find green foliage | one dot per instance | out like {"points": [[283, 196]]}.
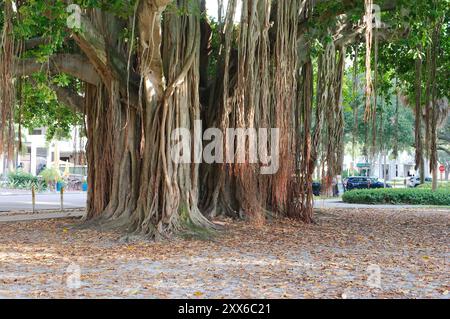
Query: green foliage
{"points": [[386, 125], [404, 196], [347, 173], [215, 48], [21, 177], [120, 8], [41, 108], [399, 54], [442, 185], [41, 19], [22, 180], [51, 175]]}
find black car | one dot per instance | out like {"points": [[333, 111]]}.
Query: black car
{"points": [[363, 182], [316, 187]]}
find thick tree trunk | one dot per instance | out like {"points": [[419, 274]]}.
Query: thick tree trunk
{"points": [[7, 92], [434, 113], [135, 185], [418, 119]]}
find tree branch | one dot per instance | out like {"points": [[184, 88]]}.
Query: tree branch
{"points": [[93, 45], [444, 137], [73, 64], [35, 42], [108, 63], [440, 148], [347, 32], [69, 98]]}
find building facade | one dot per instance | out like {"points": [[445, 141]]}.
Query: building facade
{"points": [[385, 167], [37, 153]]}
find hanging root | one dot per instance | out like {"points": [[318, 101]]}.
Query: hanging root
{"points": [[7, 93], [369, 43]]}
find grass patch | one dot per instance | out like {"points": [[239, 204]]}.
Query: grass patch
{"points": [[443, 185]]}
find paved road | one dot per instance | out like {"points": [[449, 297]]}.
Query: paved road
{"points": [[17, 202], [20, 202]]}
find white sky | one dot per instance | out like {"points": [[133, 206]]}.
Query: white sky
{"points": [[212, 7]]}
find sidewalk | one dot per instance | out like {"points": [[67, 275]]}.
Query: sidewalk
{"points": [[28, 216], [44, 201], [338, 203], [13, 192]]}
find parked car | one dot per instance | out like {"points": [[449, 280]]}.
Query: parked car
{"points": [[316, 187], [415, 181], [363, 182]]}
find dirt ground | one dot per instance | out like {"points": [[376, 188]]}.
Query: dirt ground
{"points": [[347, 254]]}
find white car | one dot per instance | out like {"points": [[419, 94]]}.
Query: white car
{"points": [[415, 181]]}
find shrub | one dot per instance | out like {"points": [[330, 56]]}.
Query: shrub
{"points": [[22, 180], [411, 196], [51, 175]]}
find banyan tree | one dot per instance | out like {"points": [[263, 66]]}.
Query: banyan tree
{"points": [[146, 68]]}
